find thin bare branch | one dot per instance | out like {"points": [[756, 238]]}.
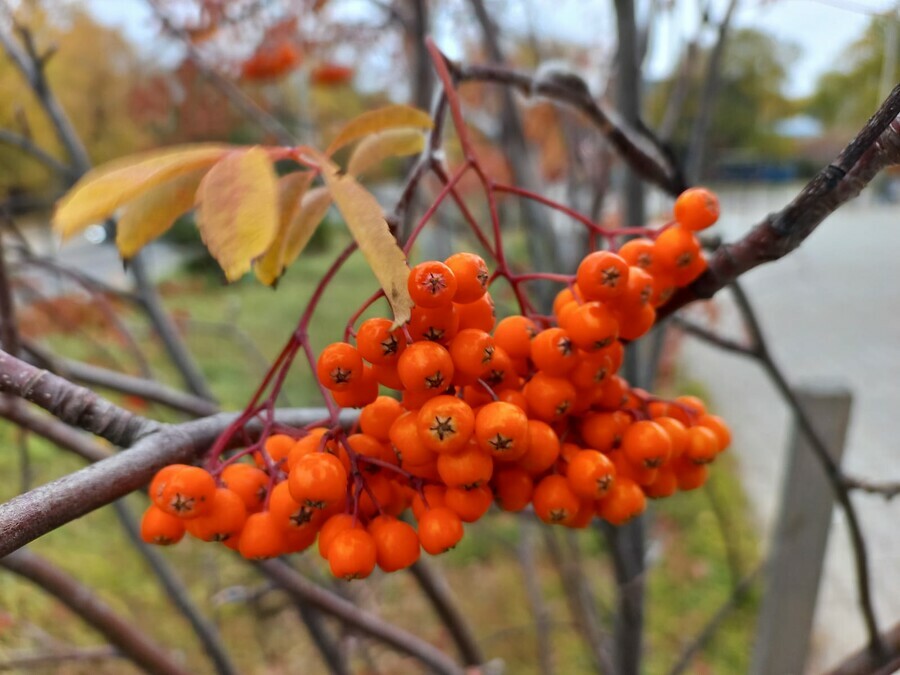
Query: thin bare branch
{"points": [[888, 490], [28, 146], [22, 661], [360, 620], [128, 638]]}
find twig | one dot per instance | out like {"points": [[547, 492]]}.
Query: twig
{"points": [[539, 611], [28, 146], [738, 593], [305, 591], [54, 430], [176, 592], [435, 587], [21, 660], [862, 662], [886, 490], [129, 639]]}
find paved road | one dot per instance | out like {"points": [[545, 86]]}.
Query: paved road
{"points": [[832, 313]]}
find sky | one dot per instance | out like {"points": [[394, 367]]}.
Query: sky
{"points": [[822, 28]]}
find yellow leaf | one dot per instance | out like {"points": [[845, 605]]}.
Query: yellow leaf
{"points": [[102, 190], [365, 219], [153, 212], [237, 209], [312, 210], [390, 117], [270, 266], [378, 147]]}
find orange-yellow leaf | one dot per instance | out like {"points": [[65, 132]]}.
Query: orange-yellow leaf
{"points": [[153, 212], [104, 189], [390, 117], [313, 208], [270, 266], [237, 209], [374, 149], [365, 219]]}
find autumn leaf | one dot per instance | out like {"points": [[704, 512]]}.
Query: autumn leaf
{"points": [[237, 209], [152, 213], [378, 147], [365, 219], [291, 189], [101, 191], [374, 121], [313, 208]]}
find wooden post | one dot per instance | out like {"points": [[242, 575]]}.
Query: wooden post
{"points": [[798, 546]]}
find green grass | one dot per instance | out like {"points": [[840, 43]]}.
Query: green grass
{"points": [[688, 577]]}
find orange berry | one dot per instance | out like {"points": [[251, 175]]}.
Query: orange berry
{"points": [[331, 528], [408, 446], [188, 493], [339, 366], [553, 352], [636, 322], [362, 393], [225, 518], [665, 485], [248, 482], [445, 424], [702, 445], [502, 430], [440, 324], [377, 343], [471, 274], [549, 398], [696, 208], [278, 446], [554, 501], [318, 480], [431, 497], [366, 446], [603, 430], [646, 444], [513, 488], [718, 427], [543, 448], [376, 418], [678, 251], [470, 504], [590, 474], [690, 475], [158, 527], [514, 335], [479, 314], [592, 369], [470, 467], [431, 284], [472, 351], [425, 366], [161, 479], [640, 253], [592, 326], [290, 514], [387, 376], [677, 434], [624, 501], [440, 529], [602, 275], [261, 537], [396, 543], [352, 554]]}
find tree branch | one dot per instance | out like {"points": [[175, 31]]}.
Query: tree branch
{"points": [[28, 146], [129, 639]]}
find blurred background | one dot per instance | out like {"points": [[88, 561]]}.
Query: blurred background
{"points": [[751, 97]]}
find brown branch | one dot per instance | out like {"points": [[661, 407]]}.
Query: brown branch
{"points": [[875, 147], [29, 147], [128, 638], [362, 621], [435, 587], [888, 490], [862, 662], [638, 150], [149, 390], [20, 660], [53, 430]]}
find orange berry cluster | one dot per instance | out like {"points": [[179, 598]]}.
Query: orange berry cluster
{"points": [[524, 412]]}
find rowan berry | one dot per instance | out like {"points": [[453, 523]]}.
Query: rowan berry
{"points": [[339, 366], [440, 529], [248, 482], [470, 504], [514, 334], [360, 394], [678, 251], [479, 314], [472, 351], [445, 424], [471, 274], [439, 325], [543, 448], [603, 430], [425, 366], [396, 543], [470, 467], [407, 445], [431, 497], [554, 501], [689, 474], [225, 518], [549, 398], [718, 427], [646, 444], [624, 501], [290, 514], [696, 208], [188, 493], [640, 253], [378, 343], [513, 488], [592, 326], [602, 275], [590, 474], [501, 429], [553, 351], [318, 480], [158, 527], [261, 537], [702, 445], [352, 554], [431, 284]]}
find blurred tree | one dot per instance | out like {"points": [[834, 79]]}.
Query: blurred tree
{"points": [[751, 98], [91, 69], [862, 66]]}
